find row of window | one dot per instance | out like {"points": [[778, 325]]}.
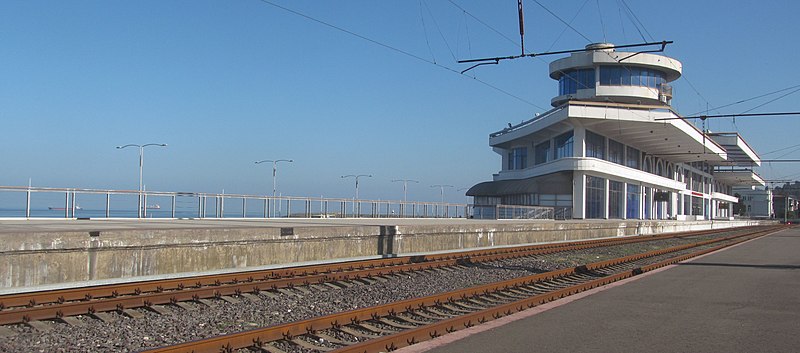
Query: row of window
{"points": [[573, 80]]}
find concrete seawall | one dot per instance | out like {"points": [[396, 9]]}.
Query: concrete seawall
{"points": [[36, 254]]}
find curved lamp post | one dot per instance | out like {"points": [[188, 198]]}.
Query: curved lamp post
{"points": [[405, 187], [274, 174], [141, 163]]}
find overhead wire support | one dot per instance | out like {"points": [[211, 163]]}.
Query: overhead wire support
{"points": [[663, 45], [704, 117]]}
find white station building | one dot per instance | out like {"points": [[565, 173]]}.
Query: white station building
{"points": [[613, 148]]}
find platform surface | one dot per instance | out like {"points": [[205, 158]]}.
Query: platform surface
{"points": [[742, 299]]}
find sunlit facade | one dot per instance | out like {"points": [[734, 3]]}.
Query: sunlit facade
{"points": [[613, 148]]}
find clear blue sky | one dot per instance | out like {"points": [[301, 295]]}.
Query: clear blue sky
{"points": [[226, 83]]}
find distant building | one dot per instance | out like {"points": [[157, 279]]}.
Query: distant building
{"points": [[785, 206], [755, 203], [605, 151]]}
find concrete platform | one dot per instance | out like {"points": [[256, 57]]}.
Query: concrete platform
{"points": [[41, 254], [742, 299]]}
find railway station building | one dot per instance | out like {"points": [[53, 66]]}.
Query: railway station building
{"points": [[612, 147]]}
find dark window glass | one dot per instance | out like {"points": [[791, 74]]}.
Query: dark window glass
{"points": [[632, 207], [595, 145], [563, 145], [615, 76], [632, 158], [541, 153], [615, 198], [615, 151], [518, 158], [595, 196], [625, 78]]}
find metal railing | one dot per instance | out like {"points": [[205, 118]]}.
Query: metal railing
{"points": [[521, 212], [43, 202]]}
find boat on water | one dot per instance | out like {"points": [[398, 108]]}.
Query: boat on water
{"points": [[154, 207], [63, 208]]}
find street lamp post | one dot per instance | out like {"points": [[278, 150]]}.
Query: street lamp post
{"points": [[355, 200], [441, 188], [405, 187], [140, 206], [274, 175]]}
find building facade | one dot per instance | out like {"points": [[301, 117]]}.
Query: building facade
{"points": [[613, 148]]}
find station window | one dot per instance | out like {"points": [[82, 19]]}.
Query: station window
{"points": [[615, 196], [595, 145], [573, 80], [541, 153], [563, 145], [615, 151], [630, 76], [518, 158], [632, 158], [632, 202], [595, 196]]}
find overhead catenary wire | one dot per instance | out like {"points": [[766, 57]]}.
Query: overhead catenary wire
{"points": [[398, 50]]}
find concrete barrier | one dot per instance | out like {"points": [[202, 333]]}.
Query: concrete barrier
{"points": [[29, 260]]}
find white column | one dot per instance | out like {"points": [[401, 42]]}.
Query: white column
{"points": [[579, 147], [624, 200], [607, 200], [578, 195], [673, 210]]}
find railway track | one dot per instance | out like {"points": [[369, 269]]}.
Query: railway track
{"points": [[59, 304], [394, 325]]}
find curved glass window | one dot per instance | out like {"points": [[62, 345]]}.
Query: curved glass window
{"points": [[573, 80], [630, 76]]}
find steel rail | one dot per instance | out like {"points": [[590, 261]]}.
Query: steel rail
{"points": [[259, 337], [108, 298]]}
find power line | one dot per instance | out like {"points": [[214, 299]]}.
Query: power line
{"points": [[406, 53], [704, 117], [749, 99]]}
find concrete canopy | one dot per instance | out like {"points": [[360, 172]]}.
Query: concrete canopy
{"points": [[739, 152], [739, 178], [675, 140]]}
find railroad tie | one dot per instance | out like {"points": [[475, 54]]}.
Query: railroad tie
{"points": [[39, 325], [289, 292], [319, 287], [331, 339], [104, 317], [357, 333], [346, 284], [472, 304], [407, 317], [518, 292], [308, 345], [366, 280], [206, 302], [72, 321], [331, 285], [438, 316], [439, 312], [132, 313], [269, 348], [251, 297], [456, 308], [303, 290], [158, 309], [476, 302], [270, 294], [185, 306], [395, 323], [230, 299], [374, 328], [6, 332], [381, 278]]}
